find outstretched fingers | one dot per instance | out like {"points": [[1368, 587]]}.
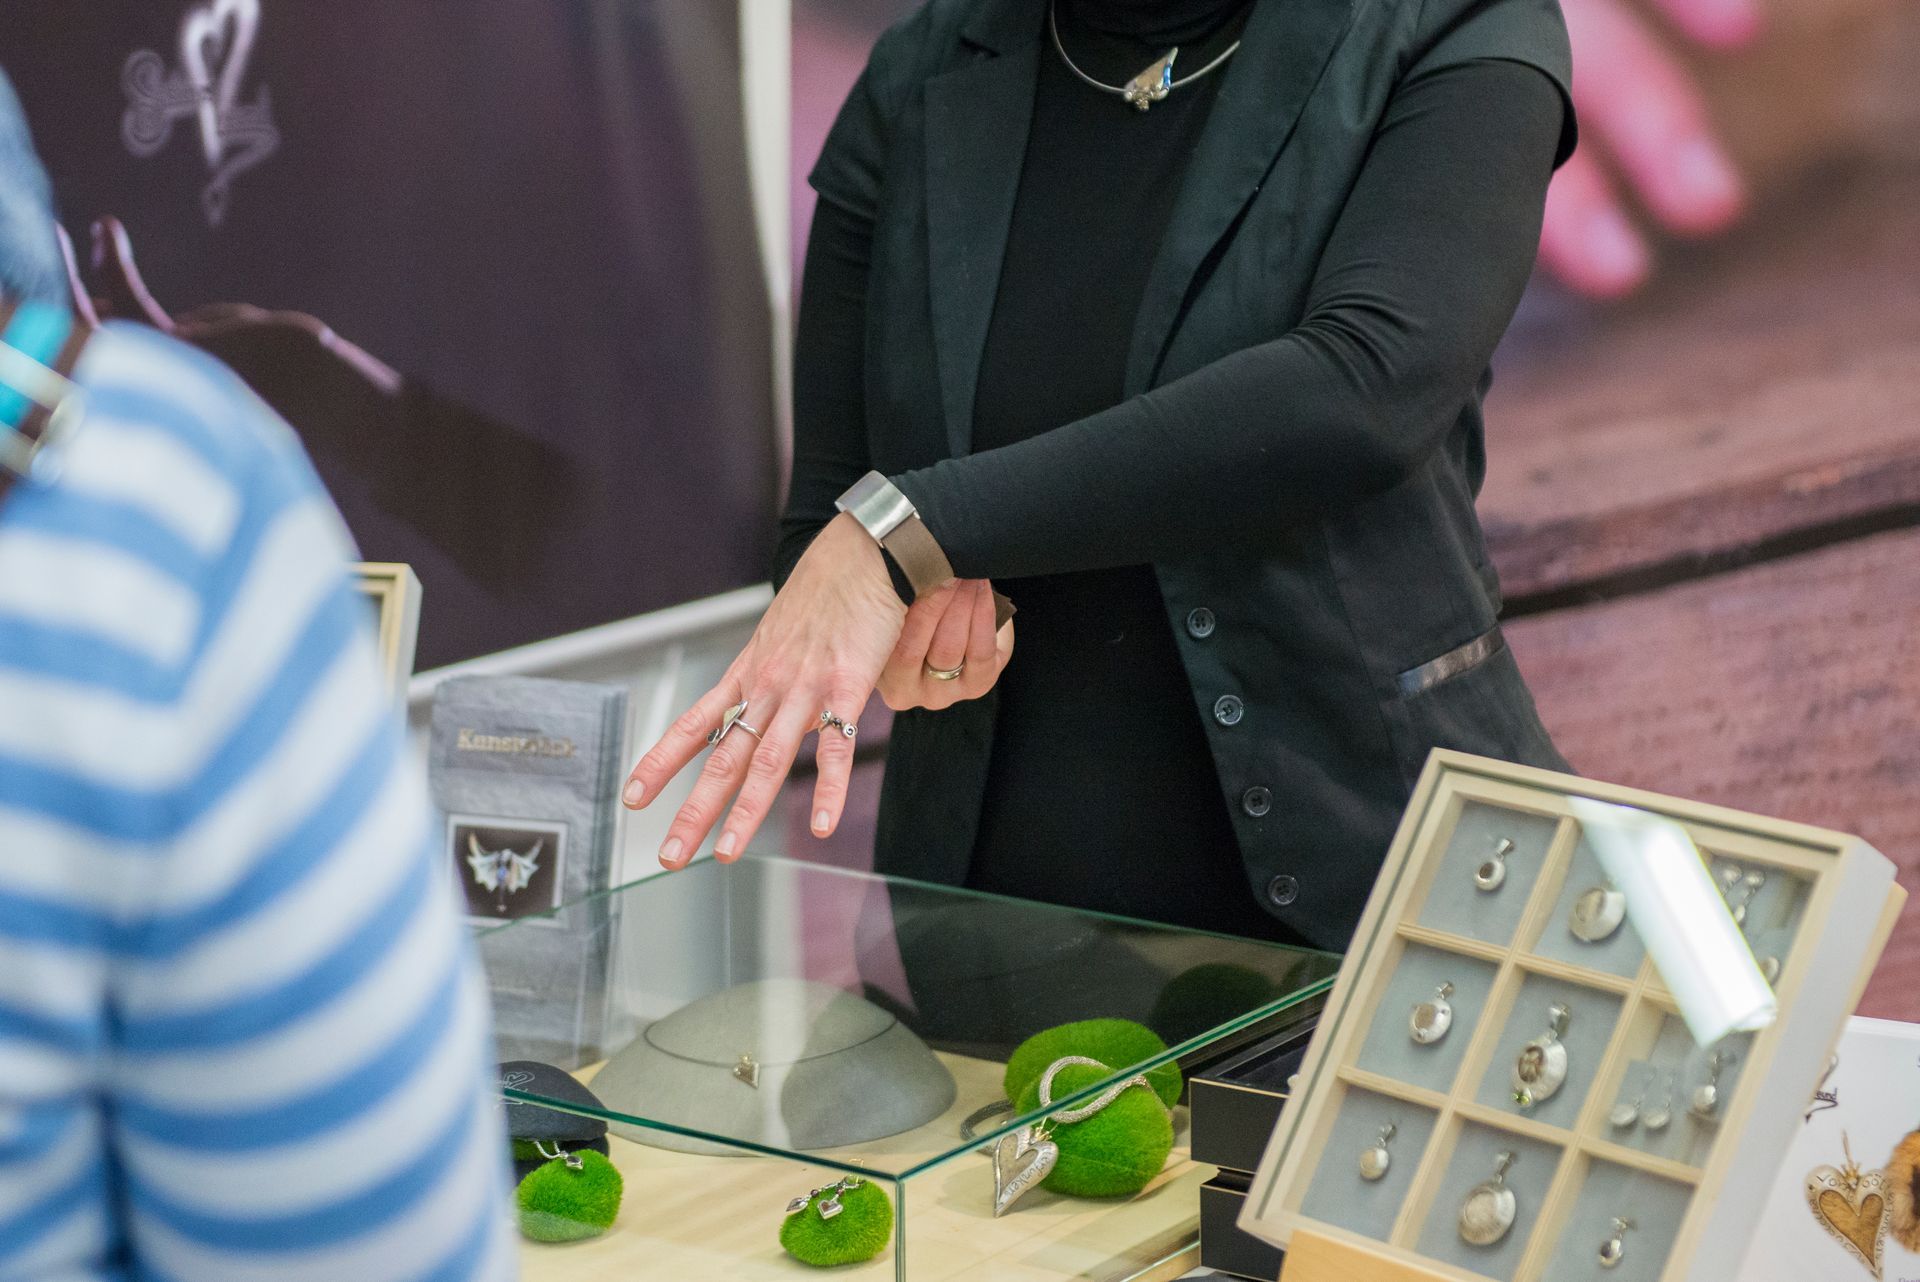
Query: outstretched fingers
{"points": [[680, 744], [765, 774], [726, 767], [833, 758]]}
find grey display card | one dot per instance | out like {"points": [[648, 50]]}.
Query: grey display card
{"points": [[1618, 954], [1475, 1158], [1677, 1059], [524, 771], [1593, 1015], [1773, 909], [1390, 1049], [1655, 1206], [1338, 1195], [1455, 904]]}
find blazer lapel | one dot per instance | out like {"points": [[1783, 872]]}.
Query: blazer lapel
{"points": [[977, 121], [1286, 46]]}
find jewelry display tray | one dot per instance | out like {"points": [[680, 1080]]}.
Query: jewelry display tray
{"points": [[970, 976], [1820, 904]]}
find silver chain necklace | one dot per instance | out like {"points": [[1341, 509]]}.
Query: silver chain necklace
{"points": [[1145, 89]]}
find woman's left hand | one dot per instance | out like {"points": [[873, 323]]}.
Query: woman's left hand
{"points": [[820, 646]]}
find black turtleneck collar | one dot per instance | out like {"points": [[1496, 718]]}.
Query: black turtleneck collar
{"points": [[1155, 22]]}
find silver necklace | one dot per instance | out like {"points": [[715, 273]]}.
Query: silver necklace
{"points": [[1145, 89]]}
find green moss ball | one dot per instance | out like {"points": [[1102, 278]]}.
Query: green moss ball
{"points": [[1115, 1152], [861, 1230], [560, 1204], [1111, 1041], [1207, 996]]}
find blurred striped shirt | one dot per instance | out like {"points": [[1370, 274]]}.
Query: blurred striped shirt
{"points": [[241, 1034]]}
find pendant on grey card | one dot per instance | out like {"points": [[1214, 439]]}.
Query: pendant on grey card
{"points": [[1705, 1105], [1378, 1159], [1597, 913], [1492, 872], [1490, 1209], [1430, 1020], [1660, 1116], [1614, 1249], [1625, 1112], [1541, 1068], [1751, 883], [748, 1071], [1020, 1161]]}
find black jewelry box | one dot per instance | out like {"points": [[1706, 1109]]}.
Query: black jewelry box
{"points": [[1235, 1102], [1224, 1246]]}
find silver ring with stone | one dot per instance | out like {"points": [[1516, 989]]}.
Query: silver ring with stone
{"points": [[728, 720], [828, 721]]}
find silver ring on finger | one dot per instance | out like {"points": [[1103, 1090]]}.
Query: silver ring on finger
{"points": [[828, 721], [946, 674], [728, 720]]}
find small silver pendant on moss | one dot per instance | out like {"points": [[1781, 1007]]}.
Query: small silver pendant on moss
{"points": [[1430, 1020], [573, 1161], [1597, 914], [1614, 1249], [1541, 1067], [1375, 1162], [1492, 873], [1489, 1211]]}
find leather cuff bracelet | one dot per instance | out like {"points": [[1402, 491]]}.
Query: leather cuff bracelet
{"points": [[889, 516]]}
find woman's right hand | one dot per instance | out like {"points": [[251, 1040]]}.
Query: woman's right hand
{"points": [[947, 629]]}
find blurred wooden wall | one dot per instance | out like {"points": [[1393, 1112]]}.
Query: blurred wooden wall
{"points": [[1705, 505]]}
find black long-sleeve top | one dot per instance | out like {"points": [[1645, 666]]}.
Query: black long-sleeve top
{"points": [[1072, 491]]}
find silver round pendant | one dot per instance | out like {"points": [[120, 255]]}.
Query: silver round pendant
{"points": [[1490, 1209], [1430, 1020], [1660, 1116], [1541, 1068], [1597, 914], [1377, 1160], [1492, 873], [1705, 1101], [1614, 1249]]}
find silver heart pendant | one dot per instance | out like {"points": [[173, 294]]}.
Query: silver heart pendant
{"points": [[1020, 1163]]}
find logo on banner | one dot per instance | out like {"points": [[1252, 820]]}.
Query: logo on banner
{"points": [[216, 44]]}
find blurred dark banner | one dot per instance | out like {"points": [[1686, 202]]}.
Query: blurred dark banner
{"points": [[536, 212]]}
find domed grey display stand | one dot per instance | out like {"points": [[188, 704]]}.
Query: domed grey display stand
{"points": [[787, 1063]]}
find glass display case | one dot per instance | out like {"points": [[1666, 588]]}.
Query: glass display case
{"points": [[773, 1027]]}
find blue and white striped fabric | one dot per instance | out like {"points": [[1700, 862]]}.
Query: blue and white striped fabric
{"points": [[241, 1032]]}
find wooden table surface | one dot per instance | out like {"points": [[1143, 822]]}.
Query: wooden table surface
{"points": [[718, 1218]]}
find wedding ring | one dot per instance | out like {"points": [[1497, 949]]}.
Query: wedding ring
{"points": [[828, 721], [946, 674]]}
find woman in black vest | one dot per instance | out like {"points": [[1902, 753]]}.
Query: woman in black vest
{"points": [[1171, 319]]}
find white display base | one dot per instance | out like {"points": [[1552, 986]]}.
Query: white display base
{"points": [[685, 1216]]}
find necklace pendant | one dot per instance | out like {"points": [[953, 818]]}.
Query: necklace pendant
{"points": [[1153, 84]]}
